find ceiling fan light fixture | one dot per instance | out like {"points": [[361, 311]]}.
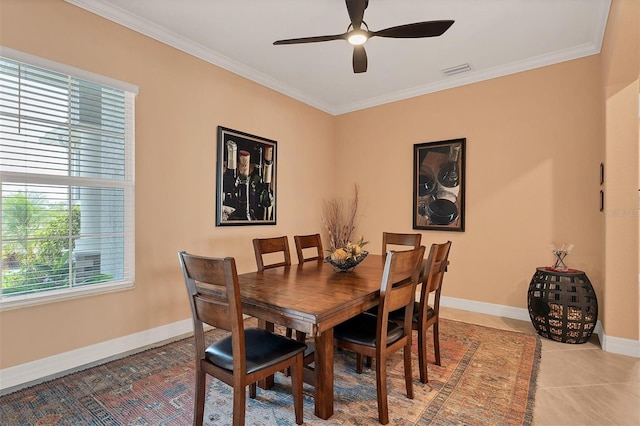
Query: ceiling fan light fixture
{"points": [[358, 33], [357, 37]]}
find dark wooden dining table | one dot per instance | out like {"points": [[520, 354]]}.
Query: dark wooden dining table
{"points": [[312, 297]]}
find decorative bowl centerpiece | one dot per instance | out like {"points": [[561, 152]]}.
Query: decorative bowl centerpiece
{"points": [[345, 259]]}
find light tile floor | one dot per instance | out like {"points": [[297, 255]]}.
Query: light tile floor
{"points": [[577, 384]]}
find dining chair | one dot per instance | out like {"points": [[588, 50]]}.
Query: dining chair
{"points": [[425, 315], [246, 355], [265, 249], [308, 242], [395, 239], [376, 336]]}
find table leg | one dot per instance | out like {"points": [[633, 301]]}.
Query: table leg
{"points": [[323, 392]]}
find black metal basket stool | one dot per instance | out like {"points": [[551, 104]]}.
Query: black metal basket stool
{"points": [[562, 305]]}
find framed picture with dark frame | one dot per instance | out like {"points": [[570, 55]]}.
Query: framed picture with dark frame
{"points": [[438, 185], [246, 179]]}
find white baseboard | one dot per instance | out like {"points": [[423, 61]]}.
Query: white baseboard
{"points": [[57, 365], [19, 376], [486, 308], [618, 345], [611, 344]]}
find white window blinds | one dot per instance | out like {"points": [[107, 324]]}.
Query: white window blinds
{"points": [[67, 175]]}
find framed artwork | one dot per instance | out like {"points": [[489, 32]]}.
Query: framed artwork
{"points": [[246, 179], [438, 185]]}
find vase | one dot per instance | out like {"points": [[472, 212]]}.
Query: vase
{"points": [[560, 265]]}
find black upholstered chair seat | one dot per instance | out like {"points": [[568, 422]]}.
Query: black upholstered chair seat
{"points": [[263, 350], [399, 314], [361, 329]]}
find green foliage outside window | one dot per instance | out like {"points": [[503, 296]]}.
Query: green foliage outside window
{"points": [[36, 244]]}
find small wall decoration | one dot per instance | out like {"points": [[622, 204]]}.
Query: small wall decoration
{"points": [[246, 179], [601, 190], [438, 185], [601, 173], [601, 200]]}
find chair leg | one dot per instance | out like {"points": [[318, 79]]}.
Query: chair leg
{"points": [[300, 337], [436, 342], [367, 361], [198, 408], [296, 387], [422, 355], [252, 390], [408, 380], [381, 390], [239, 405], [359, 362]]}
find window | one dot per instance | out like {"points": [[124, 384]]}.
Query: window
{"points": [[67, 176]]}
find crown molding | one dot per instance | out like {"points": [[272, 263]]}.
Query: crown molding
{"points": [[172, 39], [474, 77]]}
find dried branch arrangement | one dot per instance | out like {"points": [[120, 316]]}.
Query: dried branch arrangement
{"points": [[340, 224]]}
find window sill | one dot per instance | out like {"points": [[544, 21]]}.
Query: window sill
{"points": [[23, 301]]}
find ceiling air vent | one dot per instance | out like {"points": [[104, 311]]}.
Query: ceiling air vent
{"points": [[457, 69]]}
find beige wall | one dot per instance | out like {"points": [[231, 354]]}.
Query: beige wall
{"points": [[181, 102], [620, 72], [534, 144], [533, 154]]}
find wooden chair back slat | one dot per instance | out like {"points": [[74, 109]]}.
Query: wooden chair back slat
{"points": [[401, 295], [435, 268], [307, 242], [393, 241], [213, 311], [266, 246], [399, 280]]}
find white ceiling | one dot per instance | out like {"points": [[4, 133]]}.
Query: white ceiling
{"points": [[495, 37]]}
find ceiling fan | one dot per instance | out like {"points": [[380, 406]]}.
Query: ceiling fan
{"points": [[357, 36]]}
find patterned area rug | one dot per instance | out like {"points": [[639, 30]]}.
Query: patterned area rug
{"points": [[488, 376]]}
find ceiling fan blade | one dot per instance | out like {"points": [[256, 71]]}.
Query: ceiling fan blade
{"points": [[359, 59], [356, 11], [415, 30], [312, 39]]}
